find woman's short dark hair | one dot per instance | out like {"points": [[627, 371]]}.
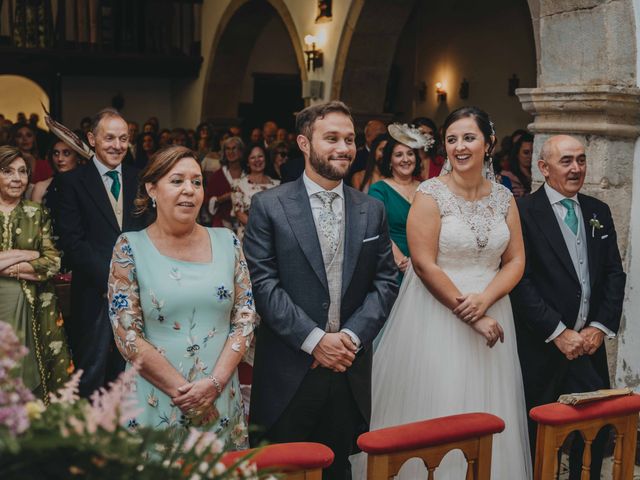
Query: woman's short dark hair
{"points": [[387, 152], [247, 153], [514, 163], [482, 121], [307, 117]]}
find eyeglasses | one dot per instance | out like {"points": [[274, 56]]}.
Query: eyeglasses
{"points": [[10, 172], [282, 153], [230, 149]]}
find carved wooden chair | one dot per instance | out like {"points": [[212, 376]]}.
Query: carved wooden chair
{"points": [[556, 421], [430, 440], [297, 461]]}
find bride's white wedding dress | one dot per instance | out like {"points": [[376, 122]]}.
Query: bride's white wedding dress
{"points": [[431, 364]]}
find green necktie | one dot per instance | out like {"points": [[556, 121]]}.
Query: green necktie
{"points": [[570, 219], [115, 185]]}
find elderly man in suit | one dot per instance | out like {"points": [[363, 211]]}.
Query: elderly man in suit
{"points": [[570, 297], [95, 206], [324, 282]]}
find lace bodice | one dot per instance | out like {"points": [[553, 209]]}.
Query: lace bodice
{"points": [[473, 234]]}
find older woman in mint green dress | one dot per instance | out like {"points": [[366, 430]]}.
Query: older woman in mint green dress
{"points": [[28, 261], [181, 306]]}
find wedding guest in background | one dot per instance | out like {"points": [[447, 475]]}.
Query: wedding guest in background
{"points": [[254, 165], [62, 158], [179, 137], [181, 305], [431, 160], [95, 205], [279, 155], [400, 166], [164, 138], [209, 158], [570, 297], [372, 129], [147, 146], [363, 179], [28, 261], [23, 136], [256, 136], [519, 172], [217, 198]]}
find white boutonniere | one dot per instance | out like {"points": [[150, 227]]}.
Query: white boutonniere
{"points": [[595, 223]]}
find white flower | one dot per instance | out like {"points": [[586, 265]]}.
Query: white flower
{"points": [[46, 298], [29, 210], [56, 346]]}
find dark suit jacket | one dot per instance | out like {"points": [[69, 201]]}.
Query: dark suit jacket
{"points": [[550, 292], [88, 230], [292, 297]]}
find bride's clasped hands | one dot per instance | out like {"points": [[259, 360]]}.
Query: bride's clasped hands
{"points": [[471, 310]]}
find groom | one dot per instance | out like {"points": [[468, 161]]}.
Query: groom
{"points": [[324, 282], [571, 294]]}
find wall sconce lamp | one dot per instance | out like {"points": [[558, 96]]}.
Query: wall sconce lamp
{"points": [[441, 93], [314, 55], [464, 89], [514, 83]]}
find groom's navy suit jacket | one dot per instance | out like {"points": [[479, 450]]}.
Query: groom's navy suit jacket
{"points": [[550, 292], [292, 297]]}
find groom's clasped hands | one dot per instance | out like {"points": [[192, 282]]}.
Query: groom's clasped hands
{"points": [[471, 309], [335, 351]]}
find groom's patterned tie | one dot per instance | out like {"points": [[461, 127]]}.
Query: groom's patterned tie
{"points": [[570, 219], [328, 220]]}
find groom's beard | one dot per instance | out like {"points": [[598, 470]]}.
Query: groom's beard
{"points": [[325, 168]]}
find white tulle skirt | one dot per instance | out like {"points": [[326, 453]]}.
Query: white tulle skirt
{"points": [[430, 364]]}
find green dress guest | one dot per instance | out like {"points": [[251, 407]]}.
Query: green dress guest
{"points": [[28, 262], [397, 208], [400, 166], [181, 307]]}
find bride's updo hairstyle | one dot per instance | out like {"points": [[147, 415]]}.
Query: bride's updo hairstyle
{"points": [[485, 125]]}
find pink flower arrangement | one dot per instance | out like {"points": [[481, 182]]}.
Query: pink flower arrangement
{"points": [[73, 436]]}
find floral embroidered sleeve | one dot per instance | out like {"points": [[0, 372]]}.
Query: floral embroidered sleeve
{"points": [[125, 311], [48, 264], [243, 313]]}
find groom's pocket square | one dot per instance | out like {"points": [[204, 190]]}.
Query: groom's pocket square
{"points": [[371, 239], [603, 237]]}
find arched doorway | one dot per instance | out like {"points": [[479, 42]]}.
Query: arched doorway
{"points": [[22, 95], [257, 68], [391, 63]]}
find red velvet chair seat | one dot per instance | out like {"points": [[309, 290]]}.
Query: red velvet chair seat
{"points": [[286, 457], [559, 414], [429, 433]]}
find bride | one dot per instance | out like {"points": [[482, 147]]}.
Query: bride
{"points": [[449, 345]]}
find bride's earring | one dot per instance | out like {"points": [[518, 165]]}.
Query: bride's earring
{"points": [[153, 202]]}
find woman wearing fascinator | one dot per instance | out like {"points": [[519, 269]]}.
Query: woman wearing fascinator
{"points": [[399, 167], [449, 345]]}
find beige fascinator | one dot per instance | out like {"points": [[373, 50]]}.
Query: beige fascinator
{"points": [[67, 136], [410, 136]]}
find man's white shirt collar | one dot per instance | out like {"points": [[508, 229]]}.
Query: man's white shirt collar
{"points": [[103, 169], [556, 197], [313, 188]]}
